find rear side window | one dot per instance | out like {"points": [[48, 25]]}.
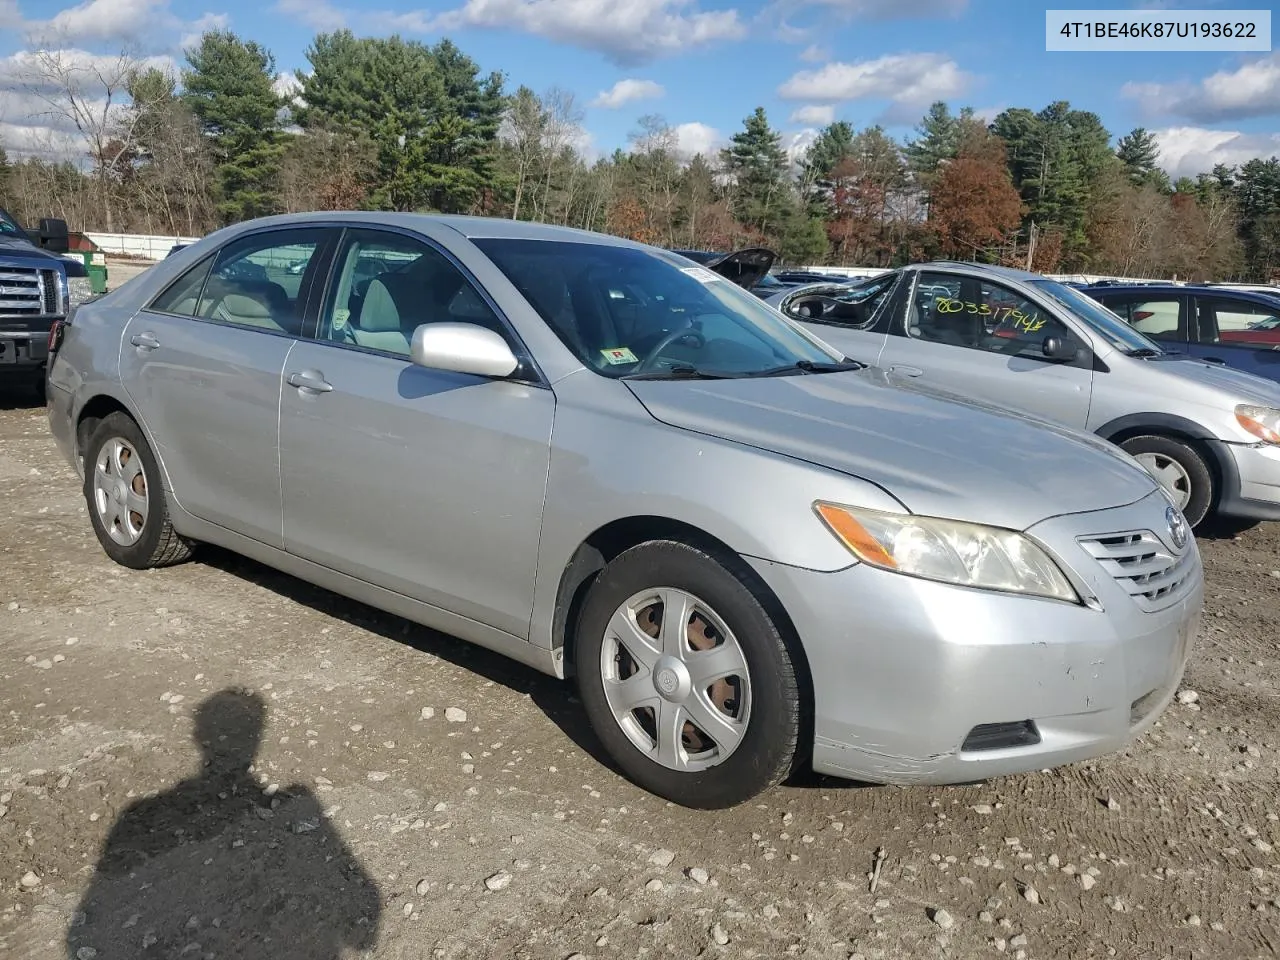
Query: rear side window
{"points": [[183, 295]]}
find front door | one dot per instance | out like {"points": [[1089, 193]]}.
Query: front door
{"points": [[202, 364], [980, 339], [424, 482]]}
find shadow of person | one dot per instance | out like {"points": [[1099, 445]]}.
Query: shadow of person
{"points": [[213, 868]]}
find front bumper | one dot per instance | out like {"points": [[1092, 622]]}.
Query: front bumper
{"points": [[22, 351], [1255, 492], [904, 669]]}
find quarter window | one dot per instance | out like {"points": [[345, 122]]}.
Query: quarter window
{"points": [[183, 295], [387, 285], [980, 315]]}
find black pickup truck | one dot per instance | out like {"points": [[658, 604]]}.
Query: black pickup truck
{"points": [[39, 285]]}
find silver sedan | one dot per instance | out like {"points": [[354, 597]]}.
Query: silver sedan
{"points": [[612, 464]]}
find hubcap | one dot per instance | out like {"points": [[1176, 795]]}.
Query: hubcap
{"points": [[1169, 474], [120, 491], [676, 679]]}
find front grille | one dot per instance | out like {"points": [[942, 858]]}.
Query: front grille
{"points": [[1148, 570], [28, 292], [49, 284]]}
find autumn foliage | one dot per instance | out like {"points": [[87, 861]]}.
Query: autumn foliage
{"points": [[974, 203]]}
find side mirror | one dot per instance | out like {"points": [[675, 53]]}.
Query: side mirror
{"points": [[462, 348], [53, 235], [1056, 348]]}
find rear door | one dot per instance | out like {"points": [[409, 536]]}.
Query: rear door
{"points": [[203, 365], [1244, 334], [982, 339]]}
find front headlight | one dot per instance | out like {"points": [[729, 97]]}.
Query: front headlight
{"points": [[967, 554], [1262, 422], [79, 289]]}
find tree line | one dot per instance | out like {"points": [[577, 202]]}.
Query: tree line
{"points": [[395, 124]]}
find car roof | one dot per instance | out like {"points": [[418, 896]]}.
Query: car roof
{"points": [[468, 226], [1009, 273], [1225, 293]]}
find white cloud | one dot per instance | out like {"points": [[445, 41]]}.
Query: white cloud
{"points": [[1252, 90], [909, 81], [815, 54], [319, 15], [813, 114], [695, 138], [197, 28], [628, 32], [988, 114], [796, 144], [1187, 151], [627, 91], [287, 84], [102, 21]]}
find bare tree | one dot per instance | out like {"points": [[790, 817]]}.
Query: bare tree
{"points": [[563, 128], [90, 94], [524, 127]]}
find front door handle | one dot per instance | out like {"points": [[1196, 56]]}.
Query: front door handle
{"points": [[906, 371], [312, 380], [144, 341]]}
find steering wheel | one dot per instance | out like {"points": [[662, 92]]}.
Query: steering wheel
{"points": [[687, 332]]}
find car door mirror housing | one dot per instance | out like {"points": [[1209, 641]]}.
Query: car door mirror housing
{"points": [[1058, 348], [463, 348]]}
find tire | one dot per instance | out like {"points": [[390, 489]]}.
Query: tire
{"points": [[1196, 481], [141, 539], [757, 719]]}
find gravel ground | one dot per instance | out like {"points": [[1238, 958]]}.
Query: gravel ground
{"points": [[414, 797]]}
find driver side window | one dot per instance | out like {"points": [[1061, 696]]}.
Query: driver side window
{"points": [[970, 312], [387, 285]]}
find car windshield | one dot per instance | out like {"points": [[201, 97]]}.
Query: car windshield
{"points": [[1110, 326], [7, 224], [625, 311]]}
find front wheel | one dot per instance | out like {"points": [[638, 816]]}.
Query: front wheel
{"points": [[1180, 469], [686, 678]]}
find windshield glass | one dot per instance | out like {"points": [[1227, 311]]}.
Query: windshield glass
{"points": [[624, 310], [1102, 321], [7, 224]]}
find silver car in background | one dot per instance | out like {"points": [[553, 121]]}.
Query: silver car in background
{"points": [[1209, 434], [607, 462]]}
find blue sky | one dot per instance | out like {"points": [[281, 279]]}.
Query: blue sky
{"points": [[705, 64]]}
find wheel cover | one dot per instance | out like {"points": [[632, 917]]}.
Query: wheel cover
{"points": [[676, 679], [1170, 474], [120, 491]]}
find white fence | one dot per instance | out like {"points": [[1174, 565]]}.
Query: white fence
{"points": [[136, 244]]}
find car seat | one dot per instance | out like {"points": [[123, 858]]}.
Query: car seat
{"points": [[385, 315]]}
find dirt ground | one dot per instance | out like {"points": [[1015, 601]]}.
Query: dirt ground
{"points": [[414, 797]]}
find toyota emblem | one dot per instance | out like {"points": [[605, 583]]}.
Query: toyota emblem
{"points": [[1177, 526]]}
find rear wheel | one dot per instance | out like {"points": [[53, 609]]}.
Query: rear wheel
{"points": [[128, 505], [685, 677], [1180, 469]]}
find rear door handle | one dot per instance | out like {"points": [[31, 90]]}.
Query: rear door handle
{"points": [[145, 341], [906, 371], [312, 380]]}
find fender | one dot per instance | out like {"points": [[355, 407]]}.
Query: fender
{"points": [[1167, 424]]}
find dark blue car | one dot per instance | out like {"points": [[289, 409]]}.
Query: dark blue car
{"points": [[1237, 328]]}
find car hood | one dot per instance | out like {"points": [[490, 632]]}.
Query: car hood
{"points": [[1243, 387], [937, 456]]}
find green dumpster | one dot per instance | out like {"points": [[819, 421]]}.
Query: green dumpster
{"points": [[95, 261]]}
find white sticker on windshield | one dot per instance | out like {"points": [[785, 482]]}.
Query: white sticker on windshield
{"points": [[614, 355], [702, 274]]}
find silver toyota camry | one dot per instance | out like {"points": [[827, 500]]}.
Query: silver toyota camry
{"points": [[612, 464]]}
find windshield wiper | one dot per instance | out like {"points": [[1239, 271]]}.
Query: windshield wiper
{"points": [[809, 366], [1142, 352], [679, 372]]}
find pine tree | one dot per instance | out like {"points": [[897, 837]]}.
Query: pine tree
{"points": [[229, 87], [1139, 151], [758, 164]]}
